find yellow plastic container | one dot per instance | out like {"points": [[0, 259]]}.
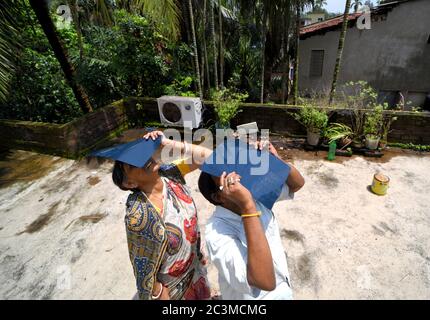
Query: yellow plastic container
{"points": [[380, 184]]}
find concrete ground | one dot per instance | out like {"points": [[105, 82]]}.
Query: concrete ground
{"points": [[62, 232]]}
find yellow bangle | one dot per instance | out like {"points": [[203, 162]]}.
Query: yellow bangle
{"points": [[248, 215]]}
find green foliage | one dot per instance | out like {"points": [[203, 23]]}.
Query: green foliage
{"points": [[244, 58], [166, 12], [312, 118], [9, 25], [128, 59], [180, 87], [226, 105], [373, 122], [337, 131], [357, 95], [41, 92], [416, 147], [367, 115]]}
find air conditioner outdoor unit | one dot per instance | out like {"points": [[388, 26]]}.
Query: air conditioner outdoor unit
{"points": [[180, 111]]}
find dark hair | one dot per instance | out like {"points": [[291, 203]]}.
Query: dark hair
{"points": [[119, 176], [208, 187]]}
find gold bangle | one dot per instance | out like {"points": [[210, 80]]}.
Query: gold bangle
{"points": [[248, 215]]}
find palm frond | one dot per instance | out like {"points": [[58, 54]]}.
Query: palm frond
{"points": [[9, 11], [165, 13], [103, 13]]}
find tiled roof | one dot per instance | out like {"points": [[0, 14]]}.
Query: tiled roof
{"points": [[333, 23], [328, 23]]}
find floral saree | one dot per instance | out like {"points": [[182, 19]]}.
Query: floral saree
{"points": [[166, 246]]}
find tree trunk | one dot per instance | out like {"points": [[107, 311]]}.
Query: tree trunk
{"points": [[296, 59], [340, 51], [205, 50], [286, 68], [196, 54], [263, 53], [212, 27], [41, 10], [221, 47]]}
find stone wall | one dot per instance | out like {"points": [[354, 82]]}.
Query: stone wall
{"points": [[69, 140], [76, 138]]}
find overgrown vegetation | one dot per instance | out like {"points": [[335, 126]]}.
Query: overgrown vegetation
{"points": [[226, 105], [312, 118]]}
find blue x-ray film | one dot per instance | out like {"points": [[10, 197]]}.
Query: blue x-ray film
{"points": [[261, 173], [136, 153]]}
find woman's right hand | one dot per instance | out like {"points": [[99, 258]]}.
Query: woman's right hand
{"points": [[235, 191]]}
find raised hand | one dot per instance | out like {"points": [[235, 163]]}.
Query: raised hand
{"points": [[233, 190], [155, 134]]}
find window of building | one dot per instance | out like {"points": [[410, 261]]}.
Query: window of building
{"points": [[320, 19], [317, 62]]}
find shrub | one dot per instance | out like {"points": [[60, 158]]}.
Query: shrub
{"points": [[39, 89], [128, 59], [373, 122], [226, 105], [312, 118], [180, 87], [337, 131]]}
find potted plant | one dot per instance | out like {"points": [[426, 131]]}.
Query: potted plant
{"points": [[315, 120], [339, 132], [359, 97], [372, 127], [226, 106]]}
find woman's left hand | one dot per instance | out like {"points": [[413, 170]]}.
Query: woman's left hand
{"points": [[266, 145], [155, 134]]}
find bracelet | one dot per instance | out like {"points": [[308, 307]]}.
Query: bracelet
{"points": [[248, 215], [159, 294]]}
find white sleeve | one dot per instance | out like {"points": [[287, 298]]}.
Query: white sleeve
{"points": [[285, 193], [229, 256]]}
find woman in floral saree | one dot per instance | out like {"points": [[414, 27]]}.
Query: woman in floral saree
{"points": [[161, 224]]}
